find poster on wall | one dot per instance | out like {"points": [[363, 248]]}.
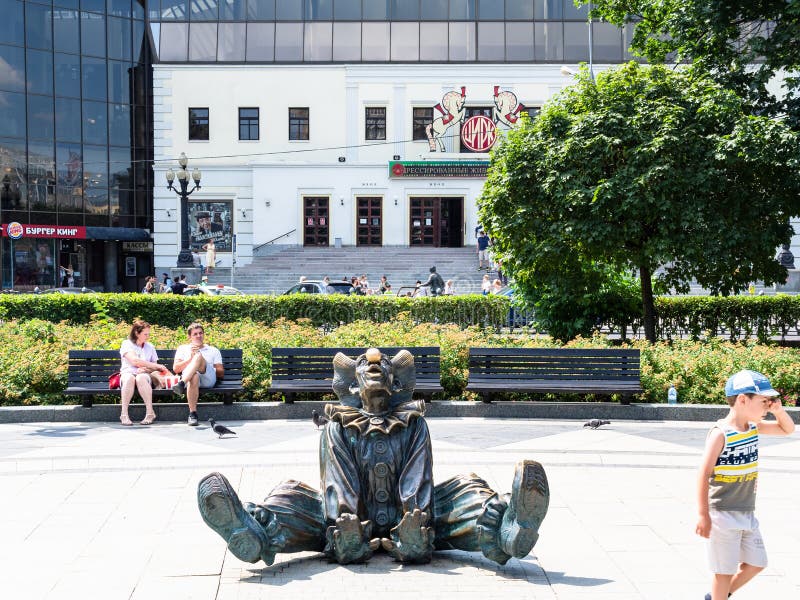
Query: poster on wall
{"points": [[211, 221], [130, 266]]}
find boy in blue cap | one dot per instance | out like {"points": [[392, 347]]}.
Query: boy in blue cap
{"points": [[726, 484]]}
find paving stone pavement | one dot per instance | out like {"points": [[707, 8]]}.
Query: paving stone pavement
{"points": [[105, 511]]}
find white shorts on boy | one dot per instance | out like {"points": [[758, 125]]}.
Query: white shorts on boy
{"points": [[735, 539]]}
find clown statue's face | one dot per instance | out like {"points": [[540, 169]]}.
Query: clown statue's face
{"points": [[375, 379]]}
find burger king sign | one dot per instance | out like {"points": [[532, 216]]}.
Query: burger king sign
{"points": [[14, 230]]}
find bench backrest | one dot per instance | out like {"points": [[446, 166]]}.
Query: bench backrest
{"points": [[95, 366], [316, 364], [554, 363]]}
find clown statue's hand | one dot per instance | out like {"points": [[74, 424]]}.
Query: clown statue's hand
{"points": [[348, 541], [412, 539]]}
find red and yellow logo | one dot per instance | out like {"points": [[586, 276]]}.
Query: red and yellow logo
{"points": [[14, 230]]}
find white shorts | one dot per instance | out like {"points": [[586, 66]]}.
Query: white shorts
{"points": [[209, 378], [735, 539], [483, 255]]}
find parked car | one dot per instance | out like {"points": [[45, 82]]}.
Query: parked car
{"points": [[212, 290], [318, 287], [518, 316], [68, 290]]}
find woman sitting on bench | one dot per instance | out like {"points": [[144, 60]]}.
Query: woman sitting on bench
{"points": [[140, 370]]}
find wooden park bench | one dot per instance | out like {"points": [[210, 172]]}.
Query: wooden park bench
{"points": [[88, 372], [554, 370], [310, 370]]}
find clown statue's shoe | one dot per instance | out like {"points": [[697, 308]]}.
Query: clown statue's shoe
{"points": [[527, 507]]}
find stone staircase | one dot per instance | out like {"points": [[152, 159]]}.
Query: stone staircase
{"points": [[403, 266]]}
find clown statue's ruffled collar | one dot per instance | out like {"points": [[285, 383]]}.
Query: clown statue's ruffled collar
{"points": [[374, 392]]}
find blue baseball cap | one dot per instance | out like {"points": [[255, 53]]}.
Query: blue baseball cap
{"points": [[749, 382]]}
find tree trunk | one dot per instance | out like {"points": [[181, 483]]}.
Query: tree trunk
{"points": [[649, 304]]}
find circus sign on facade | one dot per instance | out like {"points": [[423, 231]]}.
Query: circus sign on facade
{"points": [[478, 133]]}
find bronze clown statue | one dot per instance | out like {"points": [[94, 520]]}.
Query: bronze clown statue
{"points": [[377, 486]]}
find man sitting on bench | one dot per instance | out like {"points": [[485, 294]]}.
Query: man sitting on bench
{"points": [[199, 365]]}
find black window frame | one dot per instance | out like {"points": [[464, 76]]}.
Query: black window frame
{"points": [[196, 124], [420, 122], [298, 124], [375, 123], [249, 125]]}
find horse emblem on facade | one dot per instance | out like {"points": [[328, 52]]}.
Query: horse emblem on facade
{"points": [[452, 109]]}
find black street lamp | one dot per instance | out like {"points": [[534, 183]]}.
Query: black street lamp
{"points": [[185, 256]]}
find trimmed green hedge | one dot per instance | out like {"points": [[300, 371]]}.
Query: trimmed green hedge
{"points": [[33, 355], [322, 310]]}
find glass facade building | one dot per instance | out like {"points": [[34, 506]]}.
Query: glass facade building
{"points": [[375, 31], [75, 136]]}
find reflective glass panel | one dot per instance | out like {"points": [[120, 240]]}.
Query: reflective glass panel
{"points": [[12, 117], [232, 10], [138, 9], [204, 10], [405, 10], [203, 42], [519, 41], [94, 5], [490, 10], [40, 71], [119, 82], [94, 123], [38, 26], [41, 176], [491, 41], [462, 41], [119, 8], [119, 38], [434, 10], [40, 117], [607, 42], [462, 9], [65, 31], [138, 41], [520, 10], [571, 11], [542, 9], [119, 168], [119, 125], [93, 76], [405, 42], [12, 25], [13, 167], [576, 41], [95, 178], [289, 41], [548, 41], [375, 10], [68, 75], [174, 41], [347, 10], [69, 164], [12, 68], [318, 41], [289, 10], [231, 42], [68, 119], [319, 10], [174, 10], [433, 42], [93, 34], [261, 10], [375, 42], [260, 42], [347, 41]]}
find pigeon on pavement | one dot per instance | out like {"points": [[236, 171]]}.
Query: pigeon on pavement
{"points": [[595, 423], [220, 430], [319, 420]]}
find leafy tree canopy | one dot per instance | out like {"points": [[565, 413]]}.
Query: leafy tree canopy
{"points": [[647, 170], [740, 43]]}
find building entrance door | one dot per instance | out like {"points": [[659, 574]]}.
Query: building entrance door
{"points": [[437, 221], [316, 220], [369, 221]]}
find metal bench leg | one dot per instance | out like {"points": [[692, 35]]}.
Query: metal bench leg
{"points": [[486, 397], [227, 399], [86, 401], [626, 399], [288, 398]]}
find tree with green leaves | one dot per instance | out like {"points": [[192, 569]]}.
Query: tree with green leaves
{"points": [[647, 170], [742, 44]]}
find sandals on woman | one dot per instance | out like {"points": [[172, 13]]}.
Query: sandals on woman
{"points": [[125, 420], [148, 419]]}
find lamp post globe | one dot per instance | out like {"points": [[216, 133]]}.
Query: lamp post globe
{"points": [[183, 192]]}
